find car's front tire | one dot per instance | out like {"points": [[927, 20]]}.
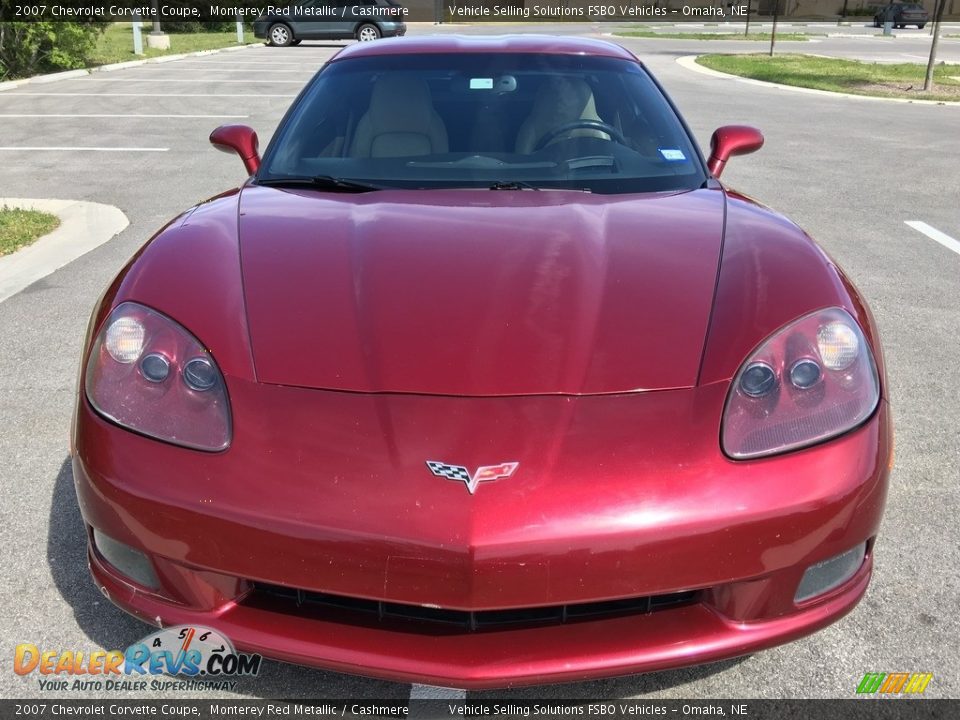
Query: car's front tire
{"points": [[368, 32], [280, 35], [920, 27]]}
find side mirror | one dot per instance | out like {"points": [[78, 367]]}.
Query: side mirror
{"points": [[241, 140], [731, 140]]}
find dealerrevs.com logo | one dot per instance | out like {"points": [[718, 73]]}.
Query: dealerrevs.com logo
{"points": [[202, 657]]}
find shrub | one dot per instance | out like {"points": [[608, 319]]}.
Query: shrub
{"points": [[197, 26], [28, 48]]}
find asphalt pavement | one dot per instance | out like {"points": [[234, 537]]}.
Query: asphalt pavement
{"points": [[852, 172]]}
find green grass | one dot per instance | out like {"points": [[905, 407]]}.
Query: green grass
{"points": [[19, 228], [800, 37], [851, 76], [116, 44]]}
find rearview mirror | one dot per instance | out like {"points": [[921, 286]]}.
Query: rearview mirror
{"points": [[731, 140], [241, 140]]}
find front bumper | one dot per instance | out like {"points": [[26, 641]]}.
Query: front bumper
{"points": [[616, 497]]}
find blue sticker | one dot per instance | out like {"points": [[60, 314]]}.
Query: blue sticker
{"points": [[672, 154]]}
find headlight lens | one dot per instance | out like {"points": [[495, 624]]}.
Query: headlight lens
{"points": [[125, 339], [810, 381], [148, 374], [838, 344]]}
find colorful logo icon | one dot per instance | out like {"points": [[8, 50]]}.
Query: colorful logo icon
{"points": [[894, 683]]}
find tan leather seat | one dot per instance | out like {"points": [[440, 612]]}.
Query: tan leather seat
{"points": [[400, 122], [559, 101]]}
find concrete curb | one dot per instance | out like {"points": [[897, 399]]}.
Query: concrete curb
{"points": [[69, 74], [83, 227], [55, 77], [119, 66], [722, 37], [690, 63], [858, 36]]}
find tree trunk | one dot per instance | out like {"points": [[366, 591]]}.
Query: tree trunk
{"points": [[932, 63]]}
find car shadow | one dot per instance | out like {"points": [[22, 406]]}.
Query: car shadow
{"points": [[627, 686], [305, 44], [110, 628]]}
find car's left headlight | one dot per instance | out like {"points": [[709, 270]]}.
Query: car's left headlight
{"points": [[810, 381], [147, 373]]}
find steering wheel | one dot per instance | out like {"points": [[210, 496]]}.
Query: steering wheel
{"points": [[583, 124]]}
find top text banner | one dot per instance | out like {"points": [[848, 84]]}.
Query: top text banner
{"points": [[446, 11]]}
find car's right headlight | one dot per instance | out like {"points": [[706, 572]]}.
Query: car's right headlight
{"points": [[810, 381], [148, 374]]}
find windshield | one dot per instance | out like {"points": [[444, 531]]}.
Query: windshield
{"points": [[486, 120]]}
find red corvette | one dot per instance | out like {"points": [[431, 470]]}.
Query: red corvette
{"points": [[482, 379]]}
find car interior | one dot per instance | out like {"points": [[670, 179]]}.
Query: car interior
{"points": [[464, 124]]}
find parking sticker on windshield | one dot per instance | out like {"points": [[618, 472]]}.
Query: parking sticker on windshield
{"points": [[481, 83], [672, 154]]}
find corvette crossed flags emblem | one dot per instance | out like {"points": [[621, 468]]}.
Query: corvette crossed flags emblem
{"points": [[484, 472]]}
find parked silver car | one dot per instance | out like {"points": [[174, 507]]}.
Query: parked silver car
{"points": [[901, 15], [301, 20]]}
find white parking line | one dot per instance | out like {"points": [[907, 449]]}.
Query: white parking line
{"points": [[258, 63], [111, 115], [182, 71], [189, 80], [430, 692], [427, 710], [934, 234], [102, 94], [90, 149]]}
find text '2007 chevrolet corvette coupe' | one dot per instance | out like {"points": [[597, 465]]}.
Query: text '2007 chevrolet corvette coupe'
{"points": [[482, 378]]}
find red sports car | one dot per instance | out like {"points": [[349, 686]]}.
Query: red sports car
{"points": [[482, 378]]}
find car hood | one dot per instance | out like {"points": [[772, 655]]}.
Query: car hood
{"points": [[479, 292]]}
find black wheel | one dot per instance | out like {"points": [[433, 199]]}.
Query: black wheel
{"points": [[280, 35], [920, 27], [584, 124], [368, 32]]}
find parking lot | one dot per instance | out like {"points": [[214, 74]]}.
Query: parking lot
{"points": [[852, 172]]}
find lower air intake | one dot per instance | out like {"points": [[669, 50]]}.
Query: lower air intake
{"points": [[346, 609]]}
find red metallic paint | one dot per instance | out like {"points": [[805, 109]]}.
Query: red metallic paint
{"points": [[729, 141], [689, 635], [771, 273], [241, 140], [412, 537], [376, 524], [487, 318], [468, 292]]}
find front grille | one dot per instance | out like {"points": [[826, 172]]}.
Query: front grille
{"points": [[348, 609]]}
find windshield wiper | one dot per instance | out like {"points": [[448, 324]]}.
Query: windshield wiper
{"points": [[513, 185], [319, 182]]}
